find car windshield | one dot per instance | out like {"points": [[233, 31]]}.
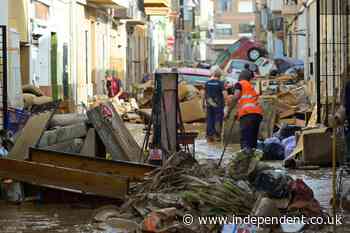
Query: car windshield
{"points": [[239, 65]]}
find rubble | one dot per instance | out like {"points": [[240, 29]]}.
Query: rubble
{"points": [[182, 186]]}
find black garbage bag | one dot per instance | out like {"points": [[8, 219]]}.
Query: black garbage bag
{"points": [[273, 151], [273, 182]]}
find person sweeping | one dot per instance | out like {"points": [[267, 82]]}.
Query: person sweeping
{"points": [[249, 113]]}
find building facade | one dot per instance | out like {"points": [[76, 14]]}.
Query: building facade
{"points": [[68, 46], [232, 19], [270, 25]]}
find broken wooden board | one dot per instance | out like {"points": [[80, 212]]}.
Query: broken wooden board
{"points": [[89, 146], [313, 119], [268, 104], [62, 134], [288, 98], [134, 171], [71, 146], [30, 135], [48, 175], [287, 114], [114, 134]]}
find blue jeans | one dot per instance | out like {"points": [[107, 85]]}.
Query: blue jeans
{"points": [[215, 118]]}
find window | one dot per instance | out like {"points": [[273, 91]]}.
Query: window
{"points": [[223, 29], [239, 65], [246, 28], [245, 7], [225, 6]]}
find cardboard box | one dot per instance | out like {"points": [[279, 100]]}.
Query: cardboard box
{"points": [[186, 91], [192, 110], [317, 147]]}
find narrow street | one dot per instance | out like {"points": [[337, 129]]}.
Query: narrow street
{"points": [[174, 116], [48, 218]]}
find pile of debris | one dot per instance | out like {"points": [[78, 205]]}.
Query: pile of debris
{"points": [[182, 187], [93, 153], [127, 109], [191, 101]]}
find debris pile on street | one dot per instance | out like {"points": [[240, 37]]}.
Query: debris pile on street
{"points": [[127, 109], [182, 186]]}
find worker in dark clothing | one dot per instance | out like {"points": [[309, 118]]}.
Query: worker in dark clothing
{"points": [[249, 113], [342, 117], [214, 97], [247, 68]]}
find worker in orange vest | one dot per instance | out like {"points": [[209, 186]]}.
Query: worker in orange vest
{"points": [[249, 113]]}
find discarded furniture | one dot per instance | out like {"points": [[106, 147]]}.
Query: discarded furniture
{"points": [[113, 133], [133, 171], [47, 175]]}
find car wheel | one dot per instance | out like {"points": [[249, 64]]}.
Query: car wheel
{"points": [[254, 54]]}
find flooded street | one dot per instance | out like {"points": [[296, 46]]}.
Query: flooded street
{"points": [[46, 218]]}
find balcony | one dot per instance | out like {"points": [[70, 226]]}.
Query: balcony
{"points": [[157, 7], [110, 3], [157, 3], [290, 7]]}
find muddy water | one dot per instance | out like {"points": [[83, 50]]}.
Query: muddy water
{"points": [[38, 218]]}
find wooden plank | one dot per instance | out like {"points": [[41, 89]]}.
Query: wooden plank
{"points": [[30, 135], [89, 146], [71, 146], [114, 134], [65, 178], [134, 171], [286, 114], [268, 104]]}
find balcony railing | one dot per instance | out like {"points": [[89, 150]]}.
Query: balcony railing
{"points": [[157, 3], [111, 3]]}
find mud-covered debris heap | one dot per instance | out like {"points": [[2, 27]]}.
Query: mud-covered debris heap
{"points": [[185, 185]]}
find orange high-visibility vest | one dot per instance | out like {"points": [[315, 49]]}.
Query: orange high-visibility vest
{"points": [[248, 103]]}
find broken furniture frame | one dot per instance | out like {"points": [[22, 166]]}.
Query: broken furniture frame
{"points": [[168, 130], [133, 171]]}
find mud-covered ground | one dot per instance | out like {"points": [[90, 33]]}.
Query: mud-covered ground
{"points": [[46, 218]]}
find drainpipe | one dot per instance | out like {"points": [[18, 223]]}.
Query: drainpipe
{"points": [[307, 45], [71, 48], [317, 61]]}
